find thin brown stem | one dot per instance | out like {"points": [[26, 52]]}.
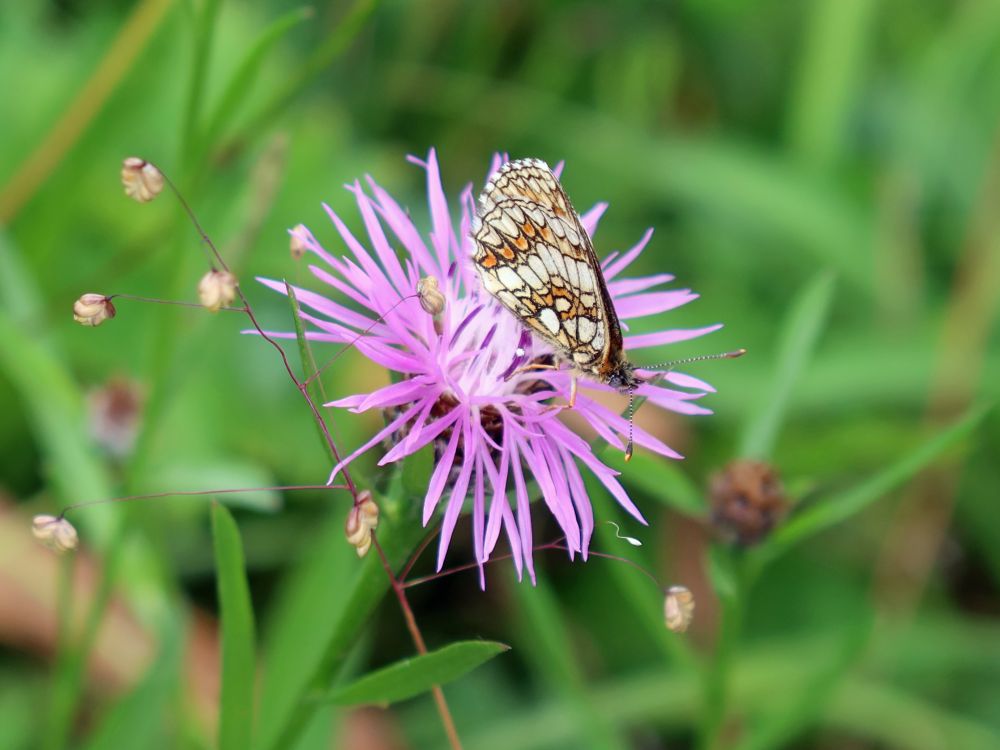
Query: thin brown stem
{"points": [[556, 545], [158, 301], [417, 553], [418, 640]]}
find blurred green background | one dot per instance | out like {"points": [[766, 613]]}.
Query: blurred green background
{"points": [[826, 173]]}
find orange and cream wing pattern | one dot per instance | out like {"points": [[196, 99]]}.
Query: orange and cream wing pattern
{"points": [[535, 257]]}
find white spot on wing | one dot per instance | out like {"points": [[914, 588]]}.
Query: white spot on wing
{"points": [[586, 328], [509, 278], [549, 319], [533, 281]]}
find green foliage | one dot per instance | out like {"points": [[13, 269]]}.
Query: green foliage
{"points": [[822, 173], [236, 702], [414, 676]]}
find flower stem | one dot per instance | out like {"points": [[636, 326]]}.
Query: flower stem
{"points": [[732, 597], [418, 640]]}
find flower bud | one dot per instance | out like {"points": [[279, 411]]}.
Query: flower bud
{"points": [[216, 290], [298, 242], [431, 298], [93, 309], [678, 608], [54, 532], [141, 179]]}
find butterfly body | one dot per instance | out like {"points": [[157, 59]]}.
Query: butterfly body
{"points": [[534, 255]]}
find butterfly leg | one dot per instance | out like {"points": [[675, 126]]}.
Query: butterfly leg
{"points": [[532, 366]]}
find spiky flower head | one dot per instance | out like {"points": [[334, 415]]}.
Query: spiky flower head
{"points": [[458, 382]]}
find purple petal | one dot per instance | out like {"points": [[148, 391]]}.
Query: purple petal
{"points": [[578, 492], [442, 234], [479, 513], [613, 268], [379, 437], [401, 225], [387, 256], [394, 394], [688, 381], [420, 436], [534, 455], [441, 472], [523, 510], [590, 219], [661, 338], [623, 287], [652, 303], [457, 497]]}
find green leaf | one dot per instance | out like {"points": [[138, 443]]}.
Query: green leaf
{"points": [[411, 677], [802, 328], [238, 663], [309, 369], [143, 717], [320, 616], [242, 80], [843, 505]]}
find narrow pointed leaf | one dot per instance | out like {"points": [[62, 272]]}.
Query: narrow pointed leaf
{"points": [[412, 677], [843, 505], [238, 664], [801, 331]]}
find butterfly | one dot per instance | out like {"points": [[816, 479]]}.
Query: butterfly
{"points": [[534, 255]]}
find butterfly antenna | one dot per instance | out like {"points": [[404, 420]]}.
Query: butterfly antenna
{"points": [[631, 413], [688, 360]]}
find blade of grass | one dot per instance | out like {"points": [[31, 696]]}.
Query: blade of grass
{"points": [[140, 719], [809, 703], [332, 598], [801, 330], [242, 80], [864, 707], [332, 47], [548, 642], [236, 712], [842, 506], [412, 677], [828, 76]]}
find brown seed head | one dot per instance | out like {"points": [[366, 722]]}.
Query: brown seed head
{"points": [[747, 500]]}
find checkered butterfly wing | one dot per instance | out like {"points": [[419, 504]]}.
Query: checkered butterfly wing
{"points": [[534, 255]]}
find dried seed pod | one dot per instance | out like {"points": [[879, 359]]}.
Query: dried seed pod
{"points": [[55, 532], [92, 309], [297, 245], [141, 179], [678, 608], [216, 290], [431, 298]]}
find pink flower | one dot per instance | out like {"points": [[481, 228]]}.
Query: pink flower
{"points": [[458, 382]]}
